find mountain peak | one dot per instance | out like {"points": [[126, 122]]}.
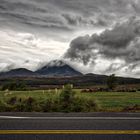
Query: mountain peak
{"points": [[57, 63], [58, 68]]}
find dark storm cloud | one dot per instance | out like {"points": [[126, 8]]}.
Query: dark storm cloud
{"points": [[19, 5], [53, 23], [90, 7], [30, 14], [79, 21], [122, 42], [66, 14], [72, 20], [50, 13]]}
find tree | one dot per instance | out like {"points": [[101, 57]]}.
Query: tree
{"points": [[111, 81]]}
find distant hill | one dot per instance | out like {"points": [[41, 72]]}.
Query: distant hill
{"points": [[58, 68], [20, 72]]}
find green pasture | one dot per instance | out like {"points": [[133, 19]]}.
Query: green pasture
{"points": [[114, 101]]}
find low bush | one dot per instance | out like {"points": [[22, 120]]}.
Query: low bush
{"points": [[132, 108], [4, 107], [50, 105], [78, 105], [66, 98], [12, 100], [92, 105]]}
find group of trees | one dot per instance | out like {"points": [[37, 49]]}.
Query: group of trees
{"points": [[14, 86]]}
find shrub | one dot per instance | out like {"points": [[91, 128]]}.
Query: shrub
{"points": [[92, 105], [78, 105], [46, 105], [25, 105], [50, 105], [66, 98], [4, 107], [12, 100], [29, 104], [83, 104], [19, 107]]}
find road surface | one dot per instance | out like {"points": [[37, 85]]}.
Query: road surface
{"points": [[70, 126]]}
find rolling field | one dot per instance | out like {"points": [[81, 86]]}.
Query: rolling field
{"points": [[107, 101]]}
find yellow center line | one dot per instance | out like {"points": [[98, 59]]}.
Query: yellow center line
{"points": [[132, 132]]}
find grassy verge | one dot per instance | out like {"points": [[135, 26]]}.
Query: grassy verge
{"points": [[50, 101]]}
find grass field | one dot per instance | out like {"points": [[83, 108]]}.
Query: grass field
{"points": [[108, 101], [114, 101]]}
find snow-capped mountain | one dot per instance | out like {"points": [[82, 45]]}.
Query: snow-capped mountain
{"points": [[58, 68]]}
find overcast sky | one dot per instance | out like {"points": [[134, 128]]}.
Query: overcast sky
{"points": [[99, 36]]}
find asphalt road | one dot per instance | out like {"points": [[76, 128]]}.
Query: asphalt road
{"points": [[70, 126]]}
